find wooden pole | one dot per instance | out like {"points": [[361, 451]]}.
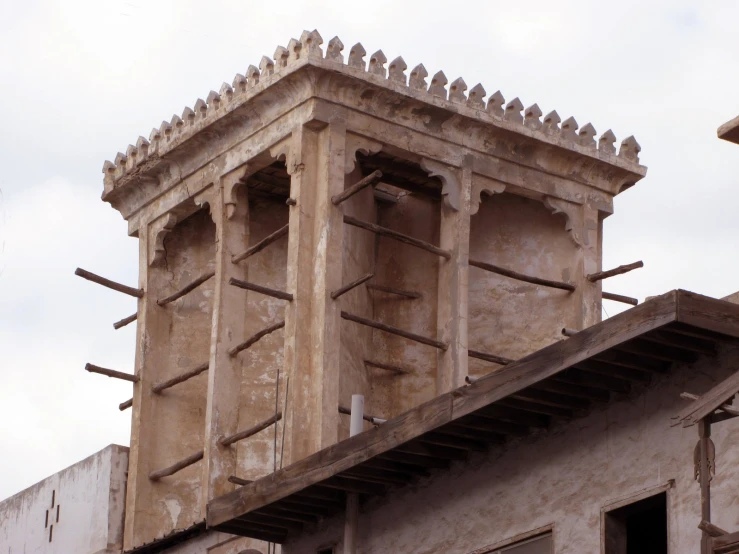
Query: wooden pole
{"points": [[174, 468], [569, 332], [277, 411], [350, 286], [239, 481], [255, 337], [372, 419], [521, 277], [593, 277], [388, 367], [138, 293], [159, 387], [241, 435], [489, 357], [704, 434], [399, 292], [385, 232], [395, 331], [619, 298], [284, 425], [112, 373], [125, 321], [370, 179], [125, 405], [187, 288], [259, 288], [711, 529], [262, 244]]}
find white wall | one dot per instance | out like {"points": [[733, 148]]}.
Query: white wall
{"points": [[564, 477], [90, 496]]}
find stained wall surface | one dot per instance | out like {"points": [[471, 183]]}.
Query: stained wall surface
{"points": [[564, 477], [89, 498]]}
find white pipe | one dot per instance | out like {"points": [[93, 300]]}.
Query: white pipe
{"points": [[357, 423]]}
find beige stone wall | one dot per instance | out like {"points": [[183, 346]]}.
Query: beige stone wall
{"points": [[563, 477], [181, 339], [507, 317]]}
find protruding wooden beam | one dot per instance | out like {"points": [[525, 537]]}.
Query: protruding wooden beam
{"points": [[112, 373], [369, 180], [521, 277], [137, 293], [395, 331], [125, 405], [239, 481], [260, 289], [711, 529], [187, 288], [726, 406], [241, 435], [346, 288], [372, 419], [159, 387], [174, 468], [400, 292], [620, 298], [255, 337], [125, 321], [389, 233], [262, 244], [593, 277], [388, 367], [567, 332], [489, 357]]}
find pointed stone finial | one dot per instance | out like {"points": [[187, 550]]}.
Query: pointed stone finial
{"points": [[108, 167], [587, 135], [495, 104], [120, 160], [252, 76], [531, 116], [280, 56], [131, 156], [200, 108], [176, 122], [569, 129], [333, 51], [356, 56], [607, 142], [311, 41], [226, 93], [188, 116], [456, 91], [396, 70], [513, 111], [629, 149], [438, 85], [266, 66], [165, 129], [377, 64], [213, 100], [551, 122], [142, 147], [154, 136], [294, 48], [475, 97], [418, 77], [239, 83]]}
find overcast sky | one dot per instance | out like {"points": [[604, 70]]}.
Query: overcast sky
{"points": [[80, 80]]}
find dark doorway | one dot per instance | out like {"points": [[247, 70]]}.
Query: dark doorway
{"points": [[638, 528]]}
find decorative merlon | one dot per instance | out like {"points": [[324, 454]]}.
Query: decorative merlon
{"points": [[307, 51]]}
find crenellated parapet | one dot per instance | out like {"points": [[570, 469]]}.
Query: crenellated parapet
{"points": [[146, 160]]}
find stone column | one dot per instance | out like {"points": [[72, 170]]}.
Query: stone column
{"points": [[588, 295], [452, 296], [314, 270], [230, 211]]}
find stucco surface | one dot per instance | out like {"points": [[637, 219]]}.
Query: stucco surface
{"points": [[563, 477], [90, 496]]}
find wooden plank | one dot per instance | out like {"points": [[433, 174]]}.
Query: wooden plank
{"points": [[513, 415], [585, 379], [556, 357], [721, 544], [537, 407], [658, 351], [708, 313], [578, 391], [710, 401], [330, 461], [609, 370], [676, 340], [430, 451], [416, 460], [254, 531], [534, 394], [619, 357]]}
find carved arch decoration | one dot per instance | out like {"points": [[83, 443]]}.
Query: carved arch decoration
{"points": [[575, 222], [482, 184], [450, 181], [354, 144]]}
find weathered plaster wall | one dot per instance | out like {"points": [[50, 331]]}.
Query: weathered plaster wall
{"points": [[403, 266], [90, 496], [512, 318], [219, 543], [563, 476], [260, 361], [183, 340]]}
